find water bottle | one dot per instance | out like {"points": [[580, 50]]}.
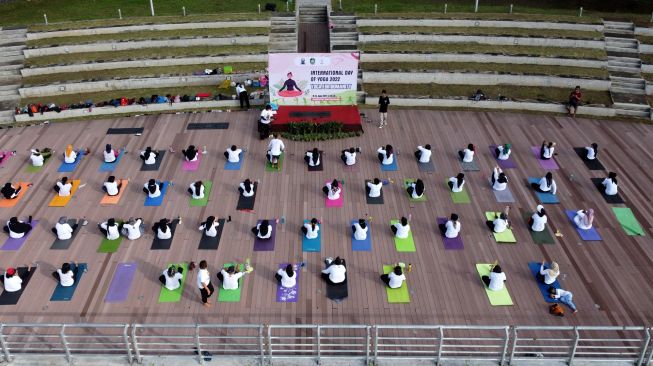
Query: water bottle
{"points": [[283, 220]]}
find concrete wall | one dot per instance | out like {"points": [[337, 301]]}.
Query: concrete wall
{"points": [[644, 31], [645, 48], [646, 68], [475, 23], [502, 41], [649, 88]]}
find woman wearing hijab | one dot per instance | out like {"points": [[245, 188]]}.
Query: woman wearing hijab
{"points": [[591, 151], [149, 156], [546, 150], [538, 220], [191, 153], [584, 219], [548, 276], [110, 155], [246, 188], [386, 155], [499, 179], [610, 187], [263, 230], [416, 189], [63, 230], [210, 227], [162, 229], [332, 190], [311, 229], [312, 158], [16, 228], [546, 184], [467, 155], [152, 188], [286, 277], [456, 183], [502, 152], [10, 192], [196, 190]]}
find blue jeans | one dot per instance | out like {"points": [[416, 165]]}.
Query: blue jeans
{"points": [[567, 300]]}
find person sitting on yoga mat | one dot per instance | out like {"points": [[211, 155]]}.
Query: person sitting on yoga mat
{"points": [[332, 190], [385, 155], [152, 188], [336, 271], [500, 222], [196, 190], [110, 155], [229, 277], [16, 228], [38, 157], [394, 279], [311, 229], [66, 275], [162, 229], [584, 219], [210, 227], [171, 278], [233, 154], [591, 151], [565, 297], [70, 155], [110, 229], [13, 281], [63, 187], [348, 156], [456, 183], [502, 152], [275, 149], [191, 153], [286, 277], [401, 229], [360, 230], [263, 230], [416, 189], [133, 228], [495, 281], [546, 150], [451, 228], [111, 187], [373, 188], [499, 179], [467, 155], [546, 184], [63, 230], [246, 188], [149, 156], [10, 192], [610, 184], [548, 276], [204, 283], [423, 153], [537, 222], [312, 158]]}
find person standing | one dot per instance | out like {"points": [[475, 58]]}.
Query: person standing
{"points": [[204, 283], [384, 101], [242, 95]]}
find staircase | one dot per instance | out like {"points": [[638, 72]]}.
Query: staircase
{"points": [[313, 29], [12, 43], [627, 88], [344, 32], [283, 33]]}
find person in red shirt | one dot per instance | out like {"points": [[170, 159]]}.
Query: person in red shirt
{"points": [[574, 101]]}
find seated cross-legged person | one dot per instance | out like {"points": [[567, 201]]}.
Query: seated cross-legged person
{"points": [[336, 271], [500, 222], [111, 187], [63, 187], [360, 230], [401, 229], [17, 228], [263, 230], [209, 227], [394, 279], [153, 188], [110, 229], [467, 155], [233, 154], [133, 228], [373, 188], [312, 158], [190, 154], [538, 220], [332, 190], [386, 155], [149, 156], [495, 281], [610, 187], [456, 183], [162, 229], [547, 150], [196, 190], [246, 188], [546, 184], [591, 151], [311, 229], [110, 155], [9, 192], [286, 277], [502, 152], [584, 219], [348, 156], [423, 153], [451, 228], [171, 277], [416, 189], [499, 179], [63, 230]]}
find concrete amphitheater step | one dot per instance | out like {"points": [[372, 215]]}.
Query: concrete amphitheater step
{"points": [[6, 117], [632, 106], [628, 98], [633, 113]]}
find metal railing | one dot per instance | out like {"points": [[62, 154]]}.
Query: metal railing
{"points": [[502, 345]]}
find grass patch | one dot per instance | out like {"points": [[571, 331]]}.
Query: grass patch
{"points": [[488, 67], [646, 58], [144, 53], [484, 14], [488, 31], [645, 39], [648, 77]]}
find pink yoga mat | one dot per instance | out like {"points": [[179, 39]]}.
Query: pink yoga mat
{"points": [[546, 164], [339, 201], [8, 154], [192, 165]]}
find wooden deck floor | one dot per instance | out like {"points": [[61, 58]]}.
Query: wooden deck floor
{"points": [[611, 279]]}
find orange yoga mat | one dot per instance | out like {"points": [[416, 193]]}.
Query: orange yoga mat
{"points": [[13, 202], [113, 200], [59, 201]]}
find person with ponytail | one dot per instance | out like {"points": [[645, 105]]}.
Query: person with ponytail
{"points": [[386, 155], [312, 158], [456, 183], [110, 155], [210, 227], [311, 229], [467, 155], [416, 189], [546, 150], [332, 190], [246, 188], [196, 190], [162, 229], [546, 184]]}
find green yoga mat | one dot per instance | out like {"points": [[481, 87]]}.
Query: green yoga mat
{"points": [[404, 245], [458, 197], [110, 246], [207, 193], [396, 295], [421, 199], [35, 169], [174, 295], [231, 295], [497, 298], [505, 237], [628, 221], [539, 237], [270, 168]]}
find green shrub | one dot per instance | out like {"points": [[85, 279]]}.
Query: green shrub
{"points": [[309, 131]]}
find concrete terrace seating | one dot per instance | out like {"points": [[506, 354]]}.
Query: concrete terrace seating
{"points": [[362, 22], [488, 40]]}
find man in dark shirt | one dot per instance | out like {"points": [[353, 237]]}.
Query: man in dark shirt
{"points": [[383, 109]]}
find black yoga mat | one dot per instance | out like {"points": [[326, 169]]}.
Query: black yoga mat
{"points": [[165, 244], [208, 242], [156, 165], [337, 292], [373, 200], [64, 244], [590, 164], [615, 199], [208, 126], [11, 298], [125, 131], [247, 203]]}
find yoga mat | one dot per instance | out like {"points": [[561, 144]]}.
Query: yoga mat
{"points": [[628, 221], [113, 200], [590, 164], [125, 131], [231, 295], [64, 244], [174, 295], [390, 167], [587, 235], [208, 126], [68, 168], [504, 237], [404, 245], [426, 167], [504, 196], [157, 162], [337, 292], [504, 164], [121, 282], [16, 244], [290, 294], [266, 245], [191, 166], [58, 201], [110, 246], [270, 168], [317, 168], [110, 167], [421, 199], [247, 203], [210, 243], [336, 203], [549, 164], [543, 197], [469, 166], [207, 193], [8, 154], [311, 245], [396, 295], [235, 166], [11, 298], [450, 243], [458, 197], [372, 200], [156, 201], [165, 244], [544, 288], [614, 200], [5, 203], [539, 237], [497, 298], [66, 293], [361, 245], [35, 169]]}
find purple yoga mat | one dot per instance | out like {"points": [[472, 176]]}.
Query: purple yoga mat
{"points": [[587, 235], [288, 294], [16, 244], [121, 282], [504, 164], [546, 164], [192, 165], [266, 245], [449, 243]]}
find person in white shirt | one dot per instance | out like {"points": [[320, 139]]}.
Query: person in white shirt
{"points": [[133, 229], [456, 183], [416, 189], [246, 188], [63, 187], [546, 150], [538, 220], [311, 229], [502, 152], [495, 280], [287, 277], [467, 155], [564, 297], [548, 276], [111, 187], [162, 229], [373, 188], [335, 272], [584, 219], [500, 222], [243, 96], [591, 151], [229, 278], [610, 187], [191, 154], [312, 158], [360, 230], [38, 157], [13, 281], [348, 156], [172, 277], [499, 179], [451, 228], [110, 155], [275, 149], [16, 228], [233, 154], [196, 190], [546, 184], [401, 229], [386, 155], [204, 283], [394, 279], [152, 188], [423, 154], [332, 190], [149, 156], [63, 230], [70, 155], [263, 230], [66, 276], [210, 227], [267, 115], [110, 229]]}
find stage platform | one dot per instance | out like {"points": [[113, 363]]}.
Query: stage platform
{"points": [[348, 115]]}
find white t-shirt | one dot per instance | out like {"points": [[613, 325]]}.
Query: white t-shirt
{"points": [[69, 159], [112, 231], [426, 154], [109, 157], [350, 158], [133, 231], [247, 193], [498, 186], [210, 231], [402, 231], [333, 194], [13, 283], [336, 273], [456, 188], [157, 191], [578, 220], [234, 156], [286, 281], [591, 154], [240, 89], [396, 281], [37, 160], [161, 235], [203, 278], [468, 156], [311, 234], [64, 189], [230, 282], [500, 225], [268, 235], [496, 281], [66, 279], [310, 159], [544, 187], [375, 189], [266, 116], [503, 155], [360, 233], [452, 229], [64, 231], [387, 160], [548, 152], [275, 147], [149, 160], [548, 279], [172, 283], [201, 191], [610, 187], [539, 222], [112, 188], [414, 194]]}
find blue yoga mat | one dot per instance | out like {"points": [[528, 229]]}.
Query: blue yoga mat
{"points": [[109, 167], [67, 168], [391, 167], [544, 289], [543, 197], [66, 293], [311, 245], [361, 245], [235, 166], [587, 235], [157, 200]]}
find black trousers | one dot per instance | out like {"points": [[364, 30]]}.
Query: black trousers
{"points": [[380, 156], [386, 279], [490, 224], [418, 154], [443, 228], [497, 152], [205, 294], [304, 230], [325, 189], [450, 184], [244, 99], [486, 280], [343, 158], [277, 277], [536, 186], [461, 154], [264, 130], [394, 229]]}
